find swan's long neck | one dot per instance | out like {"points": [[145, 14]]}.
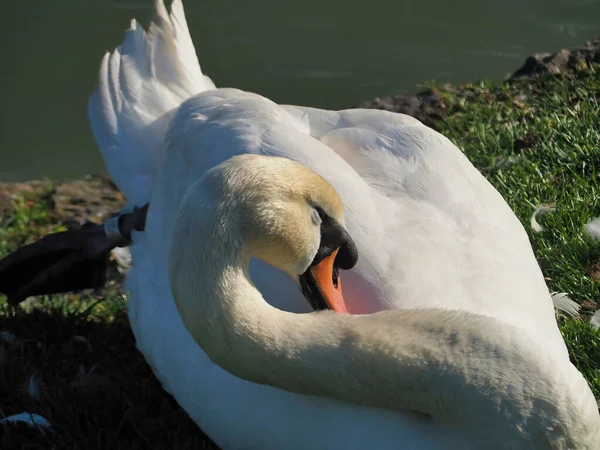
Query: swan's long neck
{"points": [[472, 372]]}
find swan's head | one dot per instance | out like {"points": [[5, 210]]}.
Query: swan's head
{"points": [[287, 216]]}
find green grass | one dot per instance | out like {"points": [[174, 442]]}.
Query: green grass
{"points": [[535, 140], [89, 380], [538, 143]]}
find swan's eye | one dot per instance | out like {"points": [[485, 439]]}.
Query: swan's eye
{"points": [[321, 213], [317, 216]]}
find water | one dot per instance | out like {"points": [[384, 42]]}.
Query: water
{"points": [[326, 53]]}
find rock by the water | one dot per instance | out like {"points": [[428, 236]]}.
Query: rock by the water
{"points": [[93, 198], [429, 107], [564, 61]]}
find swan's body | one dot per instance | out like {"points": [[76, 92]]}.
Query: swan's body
{"points": [[431, 232]]}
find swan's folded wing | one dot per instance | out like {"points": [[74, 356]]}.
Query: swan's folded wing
{"points": [[431, 230], [441, 235], [401, 158]]}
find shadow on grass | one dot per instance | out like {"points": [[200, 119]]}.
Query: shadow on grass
{"points": [[88, 379]]}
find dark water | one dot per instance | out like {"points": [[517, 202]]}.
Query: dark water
{"points": [[327, 53]]}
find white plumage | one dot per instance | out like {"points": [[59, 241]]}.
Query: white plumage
{"points": [[431, 232]]}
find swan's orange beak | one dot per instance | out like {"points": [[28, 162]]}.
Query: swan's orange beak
{"points": [[328, 281]]}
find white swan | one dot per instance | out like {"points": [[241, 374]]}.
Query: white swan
{"points": [[433, 236]]}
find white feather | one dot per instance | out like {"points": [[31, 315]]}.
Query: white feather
{"points": [[33, 420], [122, 256], [563, 303], [535, 226], [33, 387], [592, 228], [595, 320], [140, 82]]}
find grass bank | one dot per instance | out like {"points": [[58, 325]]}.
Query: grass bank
{"points": [[72, 358], [538, 142]]}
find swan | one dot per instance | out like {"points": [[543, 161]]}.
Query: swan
{"points": [[451, 341]]}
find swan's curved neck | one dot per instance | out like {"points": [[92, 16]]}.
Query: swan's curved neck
{"points": [[466, 370]]}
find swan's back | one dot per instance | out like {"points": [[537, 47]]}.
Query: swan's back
{"points": [[431, 231]]}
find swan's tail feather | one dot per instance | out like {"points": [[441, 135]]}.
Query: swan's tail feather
{"points": [[140, 83]]}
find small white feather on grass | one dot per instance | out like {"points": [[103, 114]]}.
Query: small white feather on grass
{"points": [[592, 228], [122, 256], [595, 320], [563, 303], [33, 420], [535, 225], [33, 387]]}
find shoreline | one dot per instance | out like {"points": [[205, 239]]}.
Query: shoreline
{"points": [[94, 197], [430, 105]]}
